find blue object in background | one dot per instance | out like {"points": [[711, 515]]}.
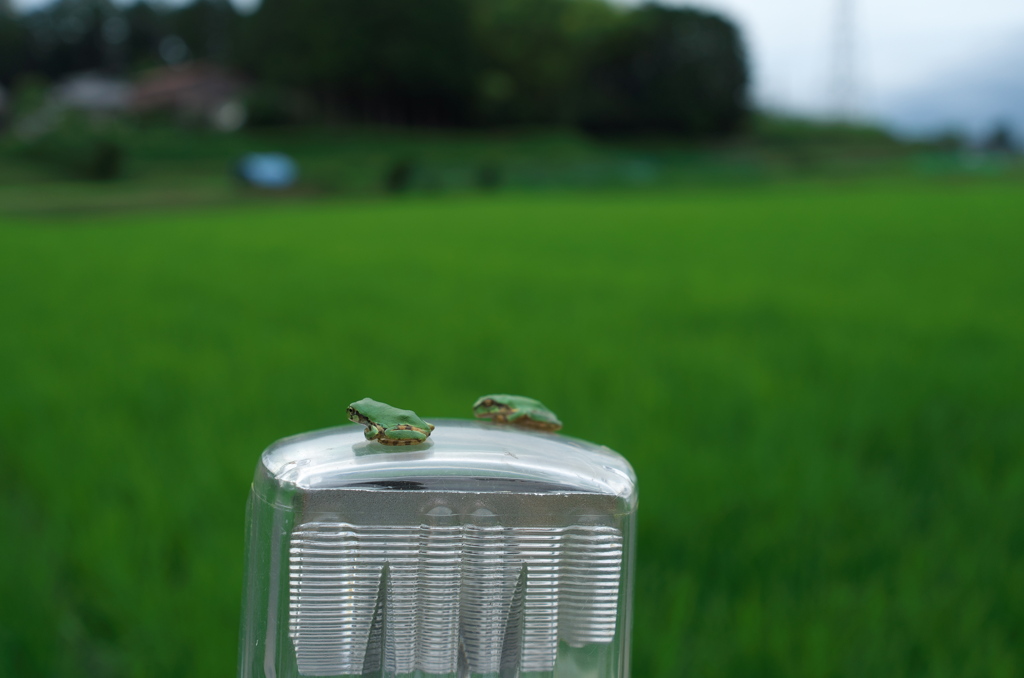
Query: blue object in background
{"points": [[267, 170]]}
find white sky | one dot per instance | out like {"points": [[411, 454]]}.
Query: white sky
{"points": [[902, 47]]}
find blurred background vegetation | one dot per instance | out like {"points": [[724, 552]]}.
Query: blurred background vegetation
{"points": [[443, 63], [805, 335]]}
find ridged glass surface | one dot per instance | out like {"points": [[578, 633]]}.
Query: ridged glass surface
{"points": [[487, 552], [408, 598]]}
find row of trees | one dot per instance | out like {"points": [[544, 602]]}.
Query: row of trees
{"points": [[445, 62]]}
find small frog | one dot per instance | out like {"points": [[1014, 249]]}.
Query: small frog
{"points": [[519, 410], [389, 425]]}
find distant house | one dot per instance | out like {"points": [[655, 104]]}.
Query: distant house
{"points": [[93, 93], [194, 91], [98, 95]]}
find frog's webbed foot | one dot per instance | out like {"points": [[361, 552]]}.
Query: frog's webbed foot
{"points": [[372, 431]]}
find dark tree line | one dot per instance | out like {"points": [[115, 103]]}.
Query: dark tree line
{"points": [[70, 36], [588, 63]]}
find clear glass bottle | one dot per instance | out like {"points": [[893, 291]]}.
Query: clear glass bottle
{"points": [[487, 551]]}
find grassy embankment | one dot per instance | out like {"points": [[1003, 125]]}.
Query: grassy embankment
{"points": [[819, 387], [166, 167]]}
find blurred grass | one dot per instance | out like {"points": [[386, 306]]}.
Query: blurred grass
{"points": [[165, 167], [819, 386]]}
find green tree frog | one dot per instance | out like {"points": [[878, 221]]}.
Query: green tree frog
{"points": [[519, 410], [389, 425]]}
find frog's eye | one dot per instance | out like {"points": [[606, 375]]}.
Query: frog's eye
{"points": [[487, 403]]}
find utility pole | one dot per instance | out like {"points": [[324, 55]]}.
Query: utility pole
{"points": [[844, 77]]}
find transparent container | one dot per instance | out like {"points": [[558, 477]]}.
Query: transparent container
{"points": [[486, 551]]}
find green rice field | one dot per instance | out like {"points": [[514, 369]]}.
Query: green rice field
{"points": [[819, 384]]}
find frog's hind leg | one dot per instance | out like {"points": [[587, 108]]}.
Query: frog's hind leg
{"points": [[403, 434], [535, 422]]}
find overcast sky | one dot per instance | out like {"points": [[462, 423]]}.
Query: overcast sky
{"points": [[919, 64]]}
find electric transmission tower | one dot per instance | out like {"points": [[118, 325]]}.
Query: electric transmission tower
{"points": [[844, 76]]}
